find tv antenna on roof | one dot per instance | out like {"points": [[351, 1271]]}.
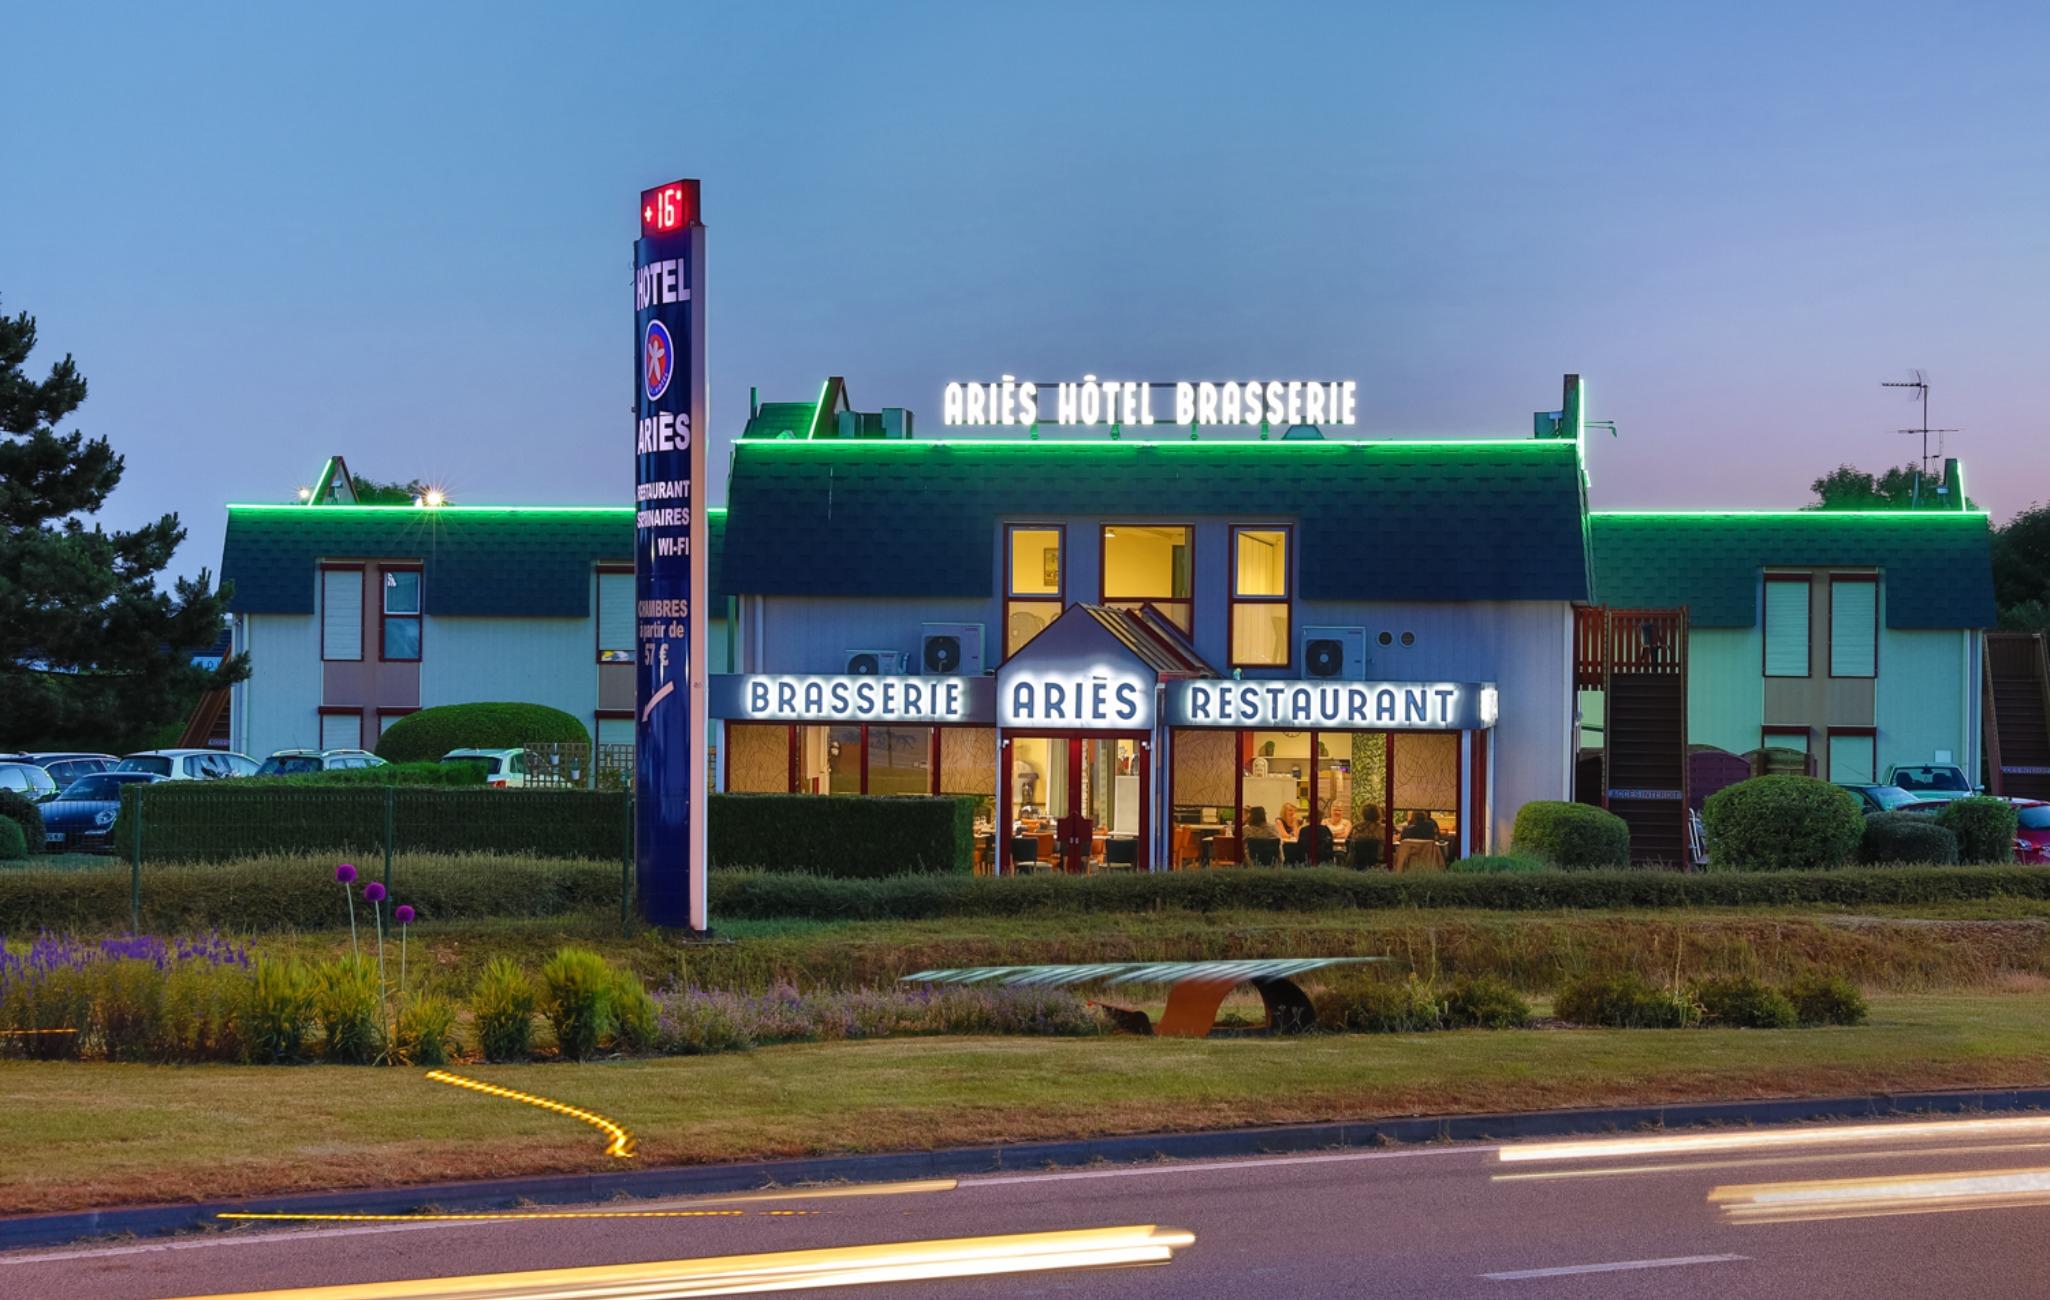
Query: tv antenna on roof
{"points": [[1920, 388]]}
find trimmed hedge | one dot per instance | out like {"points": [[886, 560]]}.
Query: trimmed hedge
{"points": [[18, 810], [1984, 828], [455, 775], [1782, 823], [12, 844], [221, 821], [746, 895], [430, 733], [849, 836], [1892, 837], [1571, 835]]}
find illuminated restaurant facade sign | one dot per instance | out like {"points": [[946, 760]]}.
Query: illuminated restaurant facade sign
{"points": [[1322, 704], [852, 697], [1091, 402]]}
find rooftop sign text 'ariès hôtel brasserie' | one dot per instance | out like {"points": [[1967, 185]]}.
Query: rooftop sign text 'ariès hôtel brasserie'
{"points": [[1092, 401]]}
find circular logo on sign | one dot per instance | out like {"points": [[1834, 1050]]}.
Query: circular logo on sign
{"points": [[658, 360]]}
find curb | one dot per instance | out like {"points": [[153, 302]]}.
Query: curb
{"points": [[560, 1189]]}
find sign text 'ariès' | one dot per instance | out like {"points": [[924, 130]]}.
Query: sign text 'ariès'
{"points": [[1093, 699], [1093, 401]]}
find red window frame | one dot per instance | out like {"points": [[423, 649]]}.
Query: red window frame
{"points": [[324, 570], [598, 616], [1162, 601], [1807, 581], [1058, 600], [1829, 622], [419, 618], [342, 711], [794, 733], [1871, 735], [1286, 599]]}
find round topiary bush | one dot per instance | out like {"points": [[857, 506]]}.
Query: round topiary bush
{"points": [[1484, 1002], [20, 811], [1575, 836], [1984, 828], [430, 733], [1365, 1004], [1782, 823], [1740, 1002], [1826, 1000], [12, 845], [1893, 838], [1624, 1001]]}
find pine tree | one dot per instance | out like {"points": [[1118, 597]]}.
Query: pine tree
{"points": [[92, 654]]}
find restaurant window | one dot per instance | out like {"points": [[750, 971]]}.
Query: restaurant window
{"points": [[1853, 755], [1034, 585], [829, 759], [757, 758], [341, 613], [1150, 564], [968, 766], [1786, 625], [1203, 799], [401, 614], [1854, 625], [899, 760], [615, 616], [1425, 787], [1260, 598]]}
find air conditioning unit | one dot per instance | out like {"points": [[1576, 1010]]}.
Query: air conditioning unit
{"points": [[950, 649], [1335, 652], [874, 663]]}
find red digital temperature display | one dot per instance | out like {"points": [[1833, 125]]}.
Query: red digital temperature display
{"points": [[669, 207]]}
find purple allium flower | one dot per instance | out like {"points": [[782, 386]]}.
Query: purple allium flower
{"points": [[345, 873], [374, 892], [403, 914]]}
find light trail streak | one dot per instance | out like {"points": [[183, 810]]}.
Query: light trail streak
{"points": [[1711, 1143], [1861, 1198], [487, 1216], [1753, 1162], [682, 1279], [621, 1145]]}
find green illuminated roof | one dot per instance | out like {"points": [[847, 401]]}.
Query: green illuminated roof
{"points": [[1937, 564], [491, 561], [1496, 520]]}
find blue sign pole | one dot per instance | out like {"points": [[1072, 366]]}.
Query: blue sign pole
{"points": [[670, 778]]}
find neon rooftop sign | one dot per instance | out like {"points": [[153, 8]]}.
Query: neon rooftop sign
{"points": [[1091, 402]]}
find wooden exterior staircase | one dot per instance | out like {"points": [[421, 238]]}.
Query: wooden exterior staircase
{"points": [[1637, 658], [2017, 680]]}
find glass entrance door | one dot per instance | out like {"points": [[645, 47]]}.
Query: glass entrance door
{"points": [[1078, 803]]}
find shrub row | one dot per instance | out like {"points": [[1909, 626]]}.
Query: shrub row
{"points": [[1361, 1003], [20, 813], [842, 835], [1626, 1000], [764, 895], [423, 773]]}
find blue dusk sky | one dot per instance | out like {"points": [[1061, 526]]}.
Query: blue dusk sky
{"points": [[273, 232]]}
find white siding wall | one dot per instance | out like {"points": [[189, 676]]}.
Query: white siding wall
{"points": [[548, 661], [1725, 688], [280, 703], [1923, 698], [812, 634]]}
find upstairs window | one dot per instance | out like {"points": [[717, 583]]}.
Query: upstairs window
{"points": [[341, 613], [1034, 583], [1786, 625], [615, 616], [1260, 630], [1151, 564], [401, 616], [1854, 625]]}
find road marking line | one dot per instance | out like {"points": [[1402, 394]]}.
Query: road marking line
{"points": [[208, 1243], [621, 1145], [1220, 1166], [1621, 1266]]}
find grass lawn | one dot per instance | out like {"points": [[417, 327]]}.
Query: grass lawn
{"points": [[76, 1135]]}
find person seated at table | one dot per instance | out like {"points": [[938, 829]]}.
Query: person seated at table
{"points": [[1363, 846], [1420, 826], [1339, 825], [1263, 842], [1290, 827]]}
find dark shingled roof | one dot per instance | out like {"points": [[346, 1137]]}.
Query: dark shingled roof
{"points": [[1937, 563], [1377, 520], [502, 562]]}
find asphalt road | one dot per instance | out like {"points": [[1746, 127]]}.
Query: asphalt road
{"points": [[1578, 1220]]}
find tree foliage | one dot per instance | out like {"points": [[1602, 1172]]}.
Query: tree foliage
{"points": [[92, 653], [1849, 488], [371, 492]]}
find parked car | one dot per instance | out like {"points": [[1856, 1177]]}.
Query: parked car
{"points": [[503, 768], [81, 818], [299, 762], [1920, 779], [189, 764], [66, 766], [1880, 798], [26, 778], [2032, 831]]}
